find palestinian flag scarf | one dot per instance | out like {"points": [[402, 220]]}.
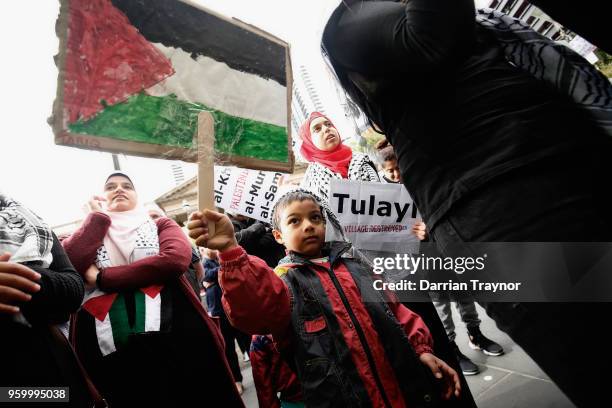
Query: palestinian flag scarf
{"points": [[111, 311]]}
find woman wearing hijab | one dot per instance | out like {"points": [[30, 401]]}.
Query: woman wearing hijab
{"points": [[142, 333], [329, 158], [505, 137], [39, 288]]}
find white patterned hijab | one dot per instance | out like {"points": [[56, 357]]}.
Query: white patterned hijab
{"points": [[23, 234], [129, 232]]}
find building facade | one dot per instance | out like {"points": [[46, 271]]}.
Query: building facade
{"points": [[530, 15]]}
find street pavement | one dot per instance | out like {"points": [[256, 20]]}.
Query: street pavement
{"points": [[512, 380]]}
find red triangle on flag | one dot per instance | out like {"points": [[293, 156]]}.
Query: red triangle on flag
{"points": [[99, 306], [152, 291], [107, 59]]}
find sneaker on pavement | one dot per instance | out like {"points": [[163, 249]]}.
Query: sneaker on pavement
{"points": [[467, 366], [478, 341]]}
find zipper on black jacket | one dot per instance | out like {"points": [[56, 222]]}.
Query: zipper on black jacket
{"points": [[359, 331]]}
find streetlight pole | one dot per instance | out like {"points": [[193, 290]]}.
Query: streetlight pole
{"points": [[116, 162]]}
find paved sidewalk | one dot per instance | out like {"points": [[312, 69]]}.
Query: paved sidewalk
{"points": [[249, 396], [511, 380]]}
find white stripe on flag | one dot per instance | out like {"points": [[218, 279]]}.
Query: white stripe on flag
{"points": [[92, 294], [104, 332], [152, 312], [218, 86]]}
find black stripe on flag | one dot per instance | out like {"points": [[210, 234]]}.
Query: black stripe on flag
{"points": [[179, 25]]}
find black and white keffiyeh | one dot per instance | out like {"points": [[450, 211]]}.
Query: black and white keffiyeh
{"points": [[23, 234], [318, 177], [557, 65]]}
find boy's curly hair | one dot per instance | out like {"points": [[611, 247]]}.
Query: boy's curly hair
{"points": [[290, 197]]}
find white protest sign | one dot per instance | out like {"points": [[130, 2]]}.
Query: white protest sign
{"points": [[581, 46], [246, 192], [375, 216]]}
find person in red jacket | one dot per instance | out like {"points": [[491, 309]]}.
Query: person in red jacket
{"points": [[141, 333], [272, 375], [351, 345]]}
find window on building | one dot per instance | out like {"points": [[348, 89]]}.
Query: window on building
{"points": [[508, 6], [521, 10], [544, 27]]}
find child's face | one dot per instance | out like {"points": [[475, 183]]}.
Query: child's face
{"points": [[392, 171], [302, 228]]}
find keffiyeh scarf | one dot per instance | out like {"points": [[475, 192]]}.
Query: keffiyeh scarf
{"points": [[318, 177], [23, 234], [557, 65]]}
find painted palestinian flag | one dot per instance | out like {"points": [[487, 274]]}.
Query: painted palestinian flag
{"points": [[134, 74]]}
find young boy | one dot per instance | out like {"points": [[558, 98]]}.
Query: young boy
{"points": [[346, 352], [387, 160]]}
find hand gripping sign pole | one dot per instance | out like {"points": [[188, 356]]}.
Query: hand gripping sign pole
{"points": [[206, 165]]}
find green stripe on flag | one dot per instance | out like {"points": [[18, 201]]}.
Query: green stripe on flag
{"points": [[119, 318], [169, 121], [139, 324]]}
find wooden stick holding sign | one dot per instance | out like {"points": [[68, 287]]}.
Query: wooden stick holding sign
{"points": [[206, 165]]}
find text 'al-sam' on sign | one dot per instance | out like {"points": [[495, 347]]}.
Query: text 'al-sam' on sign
{"points": [[246, 192], [375, 216], [134, 75]]}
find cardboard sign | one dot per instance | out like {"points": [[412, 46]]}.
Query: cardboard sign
{"points": [[134, 75], [581, 46], [375, 216], [247, 192]]}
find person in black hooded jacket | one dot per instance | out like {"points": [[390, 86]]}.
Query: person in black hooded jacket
{"points": [[493, 153]]}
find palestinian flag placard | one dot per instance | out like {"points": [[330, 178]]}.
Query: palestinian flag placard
{"points": [[134, 74]]}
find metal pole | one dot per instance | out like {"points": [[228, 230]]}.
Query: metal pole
{"points": [[116, 162]]}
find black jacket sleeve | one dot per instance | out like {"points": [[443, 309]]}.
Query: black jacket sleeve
{"points": [[61, 289], [248, 237], [379, 37]]}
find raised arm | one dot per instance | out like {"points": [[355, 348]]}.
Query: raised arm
{"points": [[254, 298], [413, 36], [83, 244]]}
